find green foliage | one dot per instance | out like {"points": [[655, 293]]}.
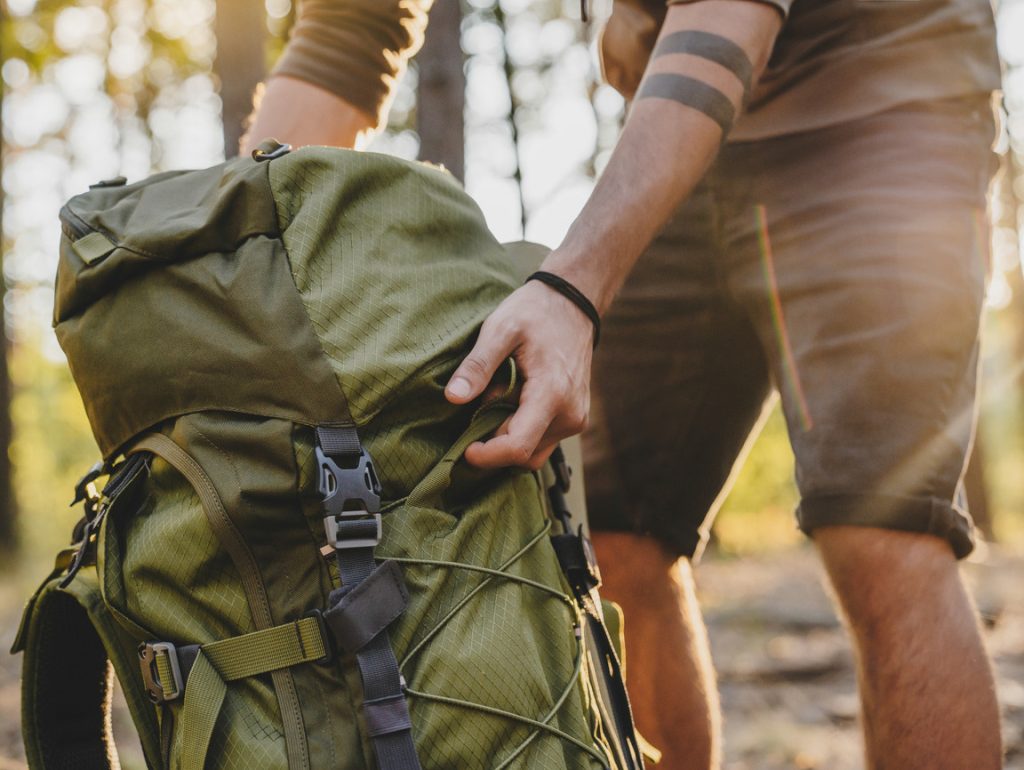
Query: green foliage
{"points": [[758, 513], [52, 448]]}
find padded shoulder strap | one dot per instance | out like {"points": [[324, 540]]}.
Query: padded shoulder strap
{"points": [[69, 641]]}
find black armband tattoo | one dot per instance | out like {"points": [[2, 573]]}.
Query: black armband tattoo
{"points": [[691, 93], [715, 48]]}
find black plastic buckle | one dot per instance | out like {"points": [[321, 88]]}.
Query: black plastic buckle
{"points": [[349, 494], [155, 688], [562, 471], [578, 560], [85, 489], [593, 571]]}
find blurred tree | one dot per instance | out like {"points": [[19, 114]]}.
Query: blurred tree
{"points": [[241, 31], [441, 93], [509, 69], [8, 511]]}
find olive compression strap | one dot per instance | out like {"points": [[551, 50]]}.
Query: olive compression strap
{"points": [[574, 295]]}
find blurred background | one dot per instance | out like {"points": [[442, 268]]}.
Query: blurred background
{"points": [[507, 96]]}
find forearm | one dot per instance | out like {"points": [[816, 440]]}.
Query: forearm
{"points": [[337, 75], [298, 113], [667, 144]]}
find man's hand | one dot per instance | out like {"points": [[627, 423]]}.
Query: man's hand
{"points": [[551, 341], [713, 52]]}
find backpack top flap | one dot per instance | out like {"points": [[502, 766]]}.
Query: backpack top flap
{"points": [[317, 287], [174, 295], [396, 267]]}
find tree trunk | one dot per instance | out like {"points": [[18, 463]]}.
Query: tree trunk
{"points": [[241, 32], [8, 507], [441, 96]]}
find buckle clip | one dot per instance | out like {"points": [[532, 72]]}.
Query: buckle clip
{"points": [[562, 471], [150, 653], [351, 498], [85, 489]]}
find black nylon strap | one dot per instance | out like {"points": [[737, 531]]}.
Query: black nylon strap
{"points": [[574, 295], [385, 709], [369, 608], [715, 48], [386, 716], [339, 442], [691, 93]]}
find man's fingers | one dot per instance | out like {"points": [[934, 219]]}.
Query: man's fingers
{"points": [[474, 373], [541, 455], [525, 431]]}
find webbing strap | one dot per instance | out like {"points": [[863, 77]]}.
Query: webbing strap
{"points": [[258, 652], [204, 699], [385, 710], [203, 671], [263, 651], [369, 608]]}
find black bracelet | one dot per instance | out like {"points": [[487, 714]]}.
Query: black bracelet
{"points": [[574, 295]]}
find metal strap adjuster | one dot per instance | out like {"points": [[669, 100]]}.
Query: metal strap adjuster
{"points": [[159, 661]]}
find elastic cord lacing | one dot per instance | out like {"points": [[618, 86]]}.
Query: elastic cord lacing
{"points": [[541, 725]]}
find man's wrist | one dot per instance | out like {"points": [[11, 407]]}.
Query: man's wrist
{"points": [[568, 290], [585, 274]]}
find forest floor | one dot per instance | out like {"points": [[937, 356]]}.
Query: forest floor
{"points": [[784, 666]]}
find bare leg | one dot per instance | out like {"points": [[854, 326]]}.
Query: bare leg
{"points": [[669, 674], [927, 690]]}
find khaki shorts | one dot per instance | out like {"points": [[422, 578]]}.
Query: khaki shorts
{"points": [[845, 267]]}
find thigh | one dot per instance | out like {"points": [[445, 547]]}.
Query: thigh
{"points": [[867, 292], [679, 381]]}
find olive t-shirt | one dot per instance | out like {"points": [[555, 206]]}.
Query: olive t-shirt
{"points": [[834, 60]]}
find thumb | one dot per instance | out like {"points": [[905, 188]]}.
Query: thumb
{"points": [[477, 369]]}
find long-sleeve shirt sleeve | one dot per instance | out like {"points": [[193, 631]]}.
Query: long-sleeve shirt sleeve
{"points": [[356, 49]]}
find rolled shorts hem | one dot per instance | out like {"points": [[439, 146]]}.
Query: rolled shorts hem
{"points": [[927, 515], [685, 545]]}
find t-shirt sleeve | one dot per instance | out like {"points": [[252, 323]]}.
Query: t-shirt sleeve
{"points": [[781, 5], [356, 49]]}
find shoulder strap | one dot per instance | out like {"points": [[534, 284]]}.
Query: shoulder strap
{"points": [[69, 641]]}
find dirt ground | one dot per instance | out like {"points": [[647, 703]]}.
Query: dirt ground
{"points": [[785, 669]]}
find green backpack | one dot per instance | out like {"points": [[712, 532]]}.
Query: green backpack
{"points": [[245, 339]]}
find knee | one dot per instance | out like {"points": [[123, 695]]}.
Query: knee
{"points": [[629, 560], [882, 577]]}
